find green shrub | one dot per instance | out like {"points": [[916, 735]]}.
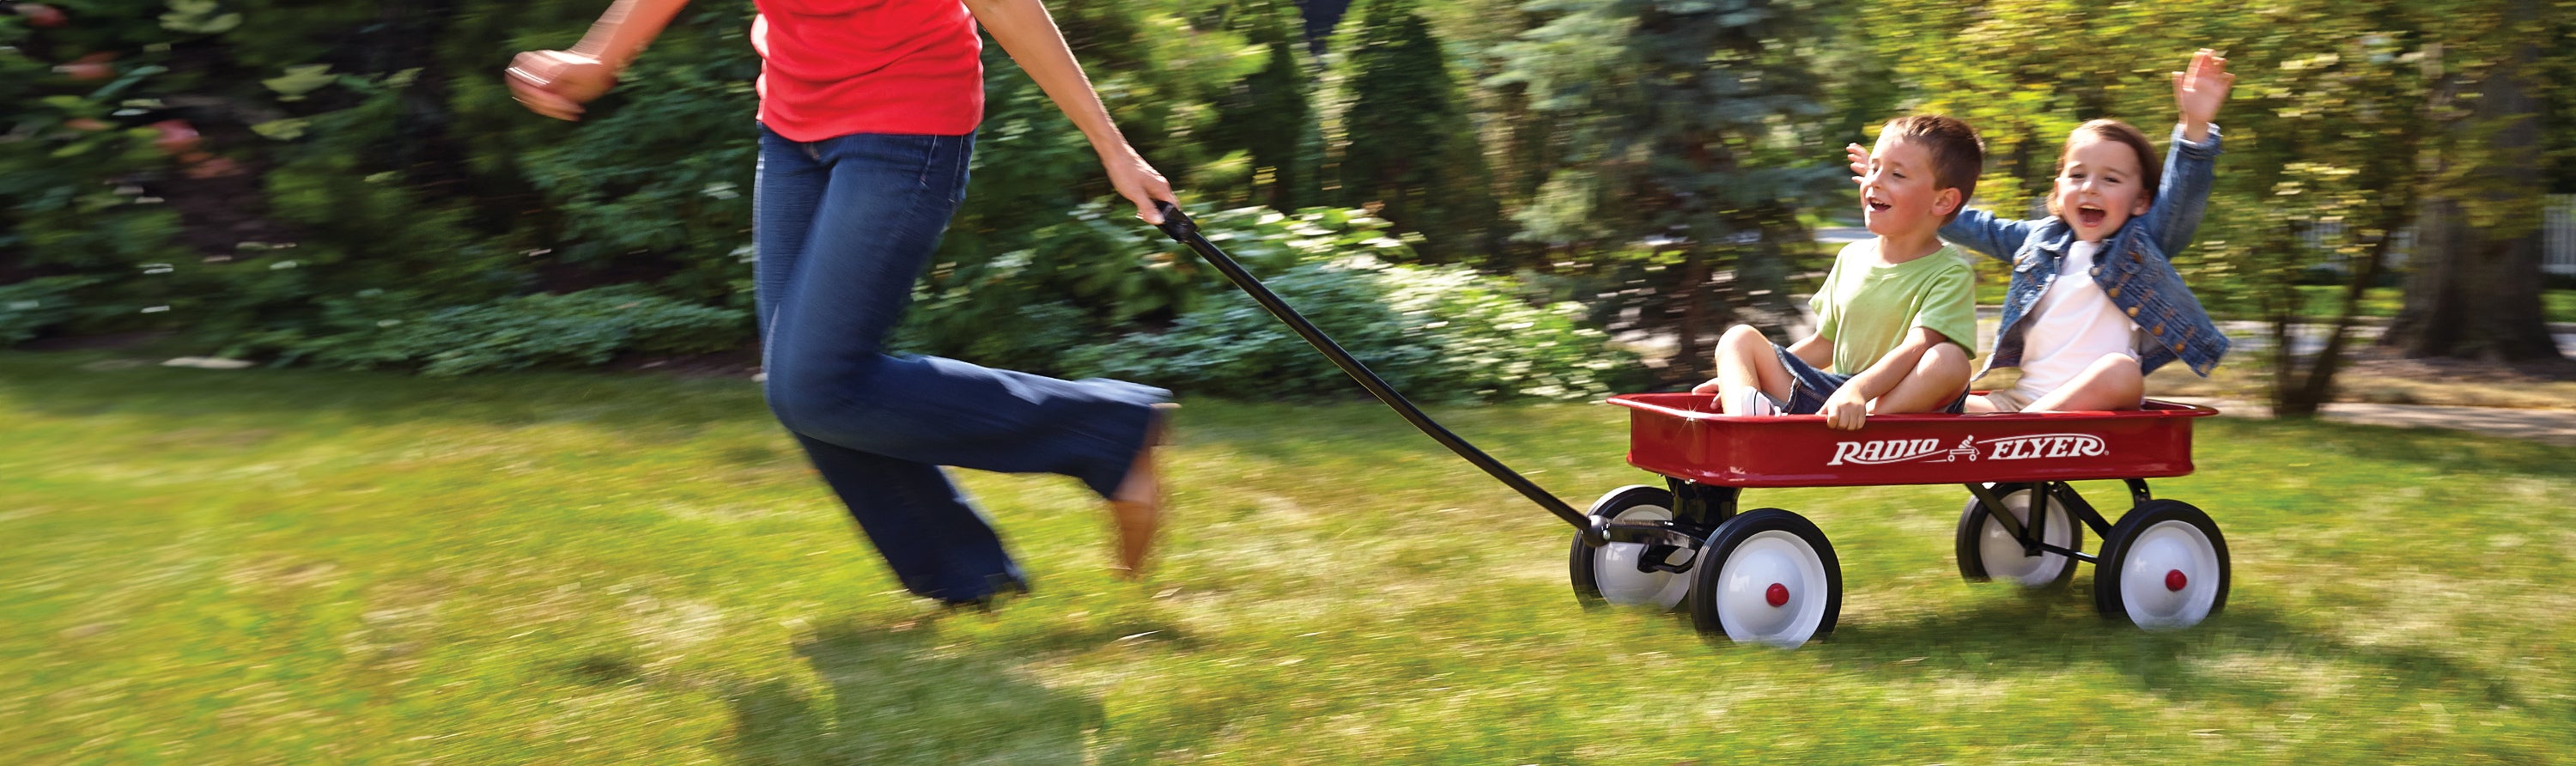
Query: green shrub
{"points": [[1435, 333], [1101, 294], [378, 329], [30, 307]]}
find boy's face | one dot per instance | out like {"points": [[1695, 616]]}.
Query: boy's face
{"points": [[1898, 197], [2099, 189]]}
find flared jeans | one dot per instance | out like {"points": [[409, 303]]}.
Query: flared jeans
{"points": [[843, 228]]}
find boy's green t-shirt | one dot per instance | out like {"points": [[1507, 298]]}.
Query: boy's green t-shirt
{"points": [[1867, 309]]}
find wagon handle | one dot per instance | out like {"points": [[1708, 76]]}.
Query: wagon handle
{"points": [[1181, 229]]}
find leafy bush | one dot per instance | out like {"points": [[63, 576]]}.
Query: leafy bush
{"points": [[1436, 333], [1449, 333], [583, 328], [1098, 273], [29, 307]]}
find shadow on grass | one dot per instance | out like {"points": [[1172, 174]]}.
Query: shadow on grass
{"points": [[2059, 631], [2453, 451], [86, 383], [894, 697]]}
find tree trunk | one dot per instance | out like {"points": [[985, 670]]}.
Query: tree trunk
{"points": [[1687, 355], [2475, 290], [2302, 395]]}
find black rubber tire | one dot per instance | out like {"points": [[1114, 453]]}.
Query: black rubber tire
{"points": [[2117, 547], [1579, 561], [1709, 575], [1971, 553]]}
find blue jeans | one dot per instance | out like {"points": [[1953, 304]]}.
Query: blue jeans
{"points": [[844, 227], [1811, 386]]}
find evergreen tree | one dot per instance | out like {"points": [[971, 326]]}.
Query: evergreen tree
{"points": [[1677, 124], [1411, 147], [1267, 115]]}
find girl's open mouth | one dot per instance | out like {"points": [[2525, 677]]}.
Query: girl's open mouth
{"points": [[1876, 206], [2090, 217]]}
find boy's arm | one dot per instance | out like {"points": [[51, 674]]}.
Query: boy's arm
{"points": [[1848, 408], [2182, 195], [1946, 313], [1816, 350]]}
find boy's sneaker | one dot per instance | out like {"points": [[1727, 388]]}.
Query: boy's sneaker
{"points": [[1753, 403]]}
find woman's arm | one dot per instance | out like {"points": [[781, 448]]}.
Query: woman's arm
{"points": [[557, 83], [1027, 33]]}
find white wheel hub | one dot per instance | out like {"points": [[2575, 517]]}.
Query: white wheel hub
{"points": [[1772, 590], [1614, 567], [2169, 576], [2001, 553]]}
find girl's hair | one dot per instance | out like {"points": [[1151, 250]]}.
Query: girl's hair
{"points": [[2150, 169]]}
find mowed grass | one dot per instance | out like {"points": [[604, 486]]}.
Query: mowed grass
{"points": [[312, 567]]}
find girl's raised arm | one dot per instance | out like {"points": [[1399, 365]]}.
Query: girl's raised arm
{"points": [[2182, 195]]}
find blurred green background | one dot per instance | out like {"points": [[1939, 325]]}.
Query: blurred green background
{"points": [[347, 183], [1484, 199]]}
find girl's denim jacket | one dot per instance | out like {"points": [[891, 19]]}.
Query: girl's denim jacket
{"points": [[2132, 266]]}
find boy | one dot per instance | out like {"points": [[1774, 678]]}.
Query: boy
{"points": [[1895, 315]]}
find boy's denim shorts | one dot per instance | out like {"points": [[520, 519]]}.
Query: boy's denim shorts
{"points": [[1813, 386]]}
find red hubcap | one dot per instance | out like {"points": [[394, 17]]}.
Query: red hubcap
{"points": [[1778, 594], [2174, 580]]}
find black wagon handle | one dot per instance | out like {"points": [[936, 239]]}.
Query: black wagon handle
{"points": [[1181, 229]]}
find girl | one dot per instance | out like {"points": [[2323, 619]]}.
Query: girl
{"points": [[868, 111], [2095, 304]]}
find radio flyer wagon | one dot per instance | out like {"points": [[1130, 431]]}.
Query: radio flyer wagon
{"points": [[1770, 576]]}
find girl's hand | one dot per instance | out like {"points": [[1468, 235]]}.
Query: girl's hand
{"points": [[1137, 181], [1859, 156], [2200, 91], [557, 83]]}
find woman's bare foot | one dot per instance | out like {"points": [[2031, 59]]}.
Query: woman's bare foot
{"points": [[1138, 506]]}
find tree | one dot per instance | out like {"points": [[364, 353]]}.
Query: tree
{"points": [[2475, 288], [1410, 147], [2350, 117], [1677, 129], [1267, 114], [2331, 134]]}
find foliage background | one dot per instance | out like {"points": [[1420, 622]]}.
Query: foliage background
{"points": [[346, 183]]}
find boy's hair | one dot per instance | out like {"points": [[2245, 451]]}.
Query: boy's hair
{"points": [[2150, 168], [1958, 155]]}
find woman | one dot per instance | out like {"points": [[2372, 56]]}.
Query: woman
{"points": [[868, 111]]}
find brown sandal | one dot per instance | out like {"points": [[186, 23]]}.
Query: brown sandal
{"points": [[1139, 520]]}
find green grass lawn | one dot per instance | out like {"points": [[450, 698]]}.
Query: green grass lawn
{"points": [[314, 567]]}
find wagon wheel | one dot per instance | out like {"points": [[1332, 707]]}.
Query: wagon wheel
{"points": [[1767, 577], [1609, 574], [1987, 551], [2164, 566]]}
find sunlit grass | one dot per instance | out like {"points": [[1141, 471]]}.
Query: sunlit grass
{"points": [[304, 567]]}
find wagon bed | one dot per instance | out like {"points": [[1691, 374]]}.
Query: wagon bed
{"points": [[1682, 436]]}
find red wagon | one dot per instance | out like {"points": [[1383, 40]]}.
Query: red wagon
{"points": [[1770, 576]]}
